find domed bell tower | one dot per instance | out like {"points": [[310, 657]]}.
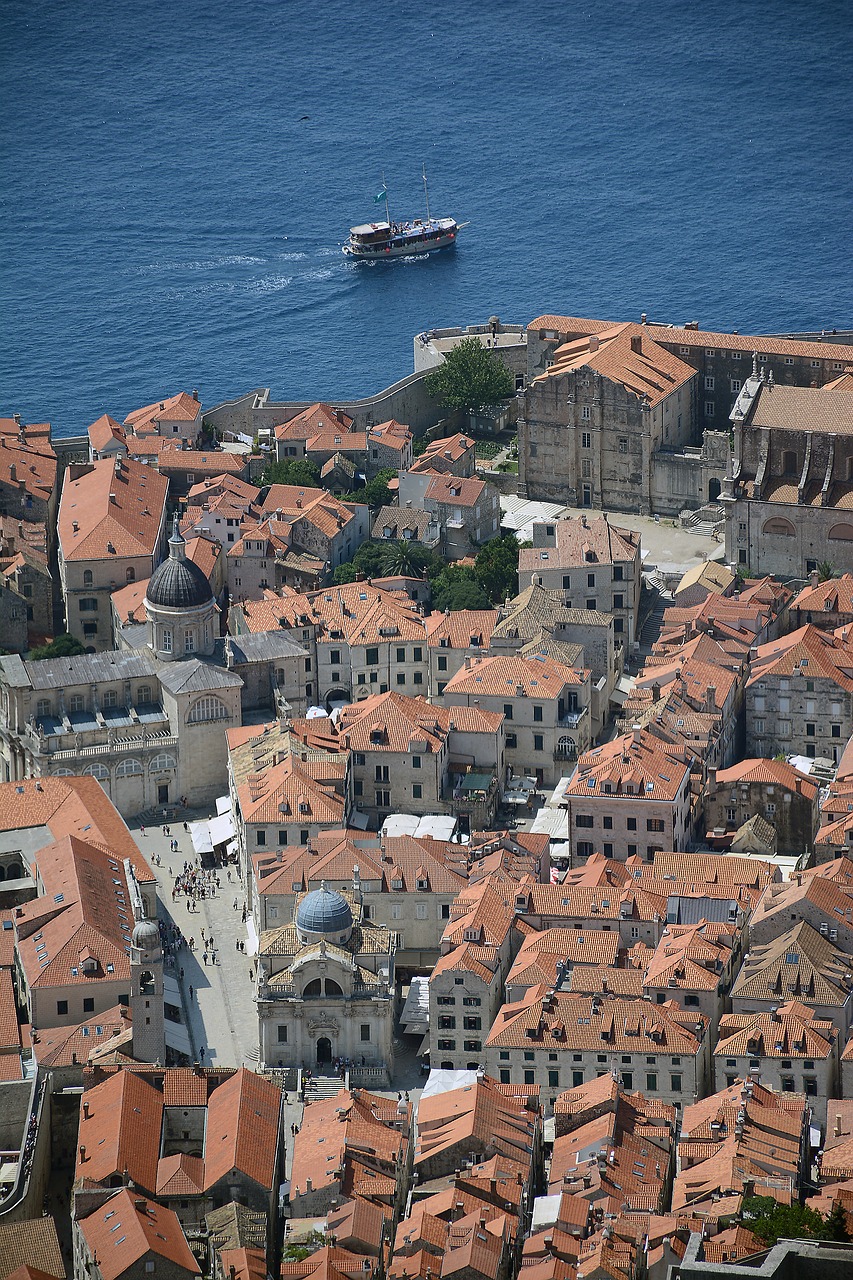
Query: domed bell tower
{"points": [[146, 993]]}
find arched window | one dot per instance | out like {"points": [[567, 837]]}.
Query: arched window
{"points": [[567, 747], [99, 771], [130, 574], [62, 773], [313, 988], [162, 761], [841, 533], [128, 768], [333, 988], [781, 528], [87, 577], [208, 709]]}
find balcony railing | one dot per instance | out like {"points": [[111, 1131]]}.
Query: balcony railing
{"points": [[119, 746]]}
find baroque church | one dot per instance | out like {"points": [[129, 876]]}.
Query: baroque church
{"points": [[326, 987], [148, 719]]}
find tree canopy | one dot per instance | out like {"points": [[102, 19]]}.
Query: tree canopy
{"points": [[456, 587], [377, 559], [470, 378], [64, 646], [772, 1221], [496, 567], [297, 471]]}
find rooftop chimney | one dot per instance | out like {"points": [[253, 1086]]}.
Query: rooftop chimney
{"points": [[636, 730], [13, 473], [195, 393], [837, 1125], [594, 342], [637, 343]]}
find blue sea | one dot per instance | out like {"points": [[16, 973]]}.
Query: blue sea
{"points": [[177, 181]]}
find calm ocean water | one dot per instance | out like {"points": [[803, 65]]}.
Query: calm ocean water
{"points": [[178, 179]]}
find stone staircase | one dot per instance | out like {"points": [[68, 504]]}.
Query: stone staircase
{"points": [[650, 629], [707, 520], [324, 1086]]}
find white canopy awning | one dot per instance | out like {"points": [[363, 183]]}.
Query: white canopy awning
{"points": [[200, 835], [221, 829], [223, 804]]}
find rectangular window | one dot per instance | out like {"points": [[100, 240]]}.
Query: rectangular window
{"points": [[260, 838], [652, 1081], [709, 408], [282, 1035], [442, 664], [511, 741], [538, 742], [401, 655], [675, 1083], [583, 820], [537, 715], [709, 382], [632, 824], [365, 1030], [507, 711], [529, 1077], [623, 444], [607, 822], [553, 1079], [61, 1007], [504, 1073], [418, 677], [371, 657], [417, 791]]}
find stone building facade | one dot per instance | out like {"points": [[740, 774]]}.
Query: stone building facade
{"points": [[326, 986], [787, 492]]}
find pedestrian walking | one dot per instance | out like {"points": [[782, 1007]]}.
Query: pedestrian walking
{"points": [[142, 829], [204, 957], [234, 904], [191, 993]]}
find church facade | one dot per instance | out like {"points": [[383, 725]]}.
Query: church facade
{"points": [[326, 986]]}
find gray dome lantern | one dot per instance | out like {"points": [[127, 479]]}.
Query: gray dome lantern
{"points": [[324, 914], [180, 606]]}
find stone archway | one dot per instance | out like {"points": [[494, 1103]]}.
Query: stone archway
{"points": [[324, 1051], [714, 489]]}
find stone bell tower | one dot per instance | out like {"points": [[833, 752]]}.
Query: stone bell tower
{"points": [[146, 993]]}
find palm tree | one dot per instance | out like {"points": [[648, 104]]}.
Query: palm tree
{"points": [[401, 558]]}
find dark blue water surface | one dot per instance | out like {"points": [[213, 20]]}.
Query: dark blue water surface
{"points": [[177, 180]]}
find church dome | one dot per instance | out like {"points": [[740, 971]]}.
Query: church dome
{"points": [[178, 583], [146, 935], [324, 913]]}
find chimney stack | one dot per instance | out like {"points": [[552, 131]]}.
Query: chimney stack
{"points": [[637, 343], [837, 1125]]}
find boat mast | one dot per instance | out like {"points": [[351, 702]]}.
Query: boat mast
{"points": [[426, 192], [385, 189]]}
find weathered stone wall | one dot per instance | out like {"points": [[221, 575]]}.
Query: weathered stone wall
{"points": [[407, 401]]}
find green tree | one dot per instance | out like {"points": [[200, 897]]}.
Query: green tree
{"points": [[496, 567], [456, 587], [64, 646], [297, 471], [470, 378], [825, 571], [298, 1252], [344, 573], [410, 558], [835, 1224], [376, 492], [772, 1221]]}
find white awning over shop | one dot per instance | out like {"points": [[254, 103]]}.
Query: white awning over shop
{"points": [[200, 836]]}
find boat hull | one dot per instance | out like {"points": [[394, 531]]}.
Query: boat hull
{"points": [[379, 252]]}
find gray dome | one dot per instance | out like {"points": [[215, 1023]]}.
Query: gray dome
{"points": [[324, 911], [146, 935], [178, 584]]}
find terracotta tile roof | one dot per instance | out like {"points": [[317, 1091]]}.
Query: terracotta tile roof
{"points": [[714, 577], [121, 1131], [763, 344], [625, 353], [799, 963], [10, 1031], [579, 1022], [711, 868], [290, 791], [402, 860], [244, 1264], [580, 541], [243, 1121], [541, 954], [27, 462], [688, 957], [621, 1157], [65, 1046], [774, 772], [336, 1129], [483, 1116], [355, 613], [782, 902], [404, 523], [223, 487], [803, 409], [312, 421], [178, 408], [455, 491], [170, 458], [321, 509], [793, 1032], [104, 430], [833, 596], [33, 1242], [807, 651], [505, 674], [127, 1228], [481, 962], [733, 1245], [593, 903], [569, 324], [111, 509], [594, 979], [392, 722], [357, 1220], [637, 770]]}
